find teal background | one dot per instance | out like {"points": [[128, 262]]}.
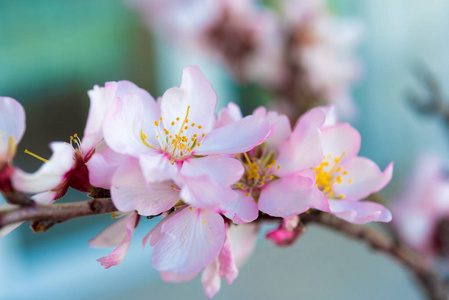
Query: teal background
{"points": [[52, 52]]}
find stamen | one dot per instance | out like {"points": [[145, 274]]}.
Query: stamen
{"points": [[35, 156]]}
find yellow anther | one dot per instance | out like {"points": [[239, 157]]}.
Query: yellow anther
{"points": [[239, 186], [203, 135], [173, 186], [262, 183], [263, 177], [71, 137], [157, 136], [187, 121], [271, 177], [113, 215], [341, 196], [199, 144], [172, 123], [199, 126], [160, 119], [279, 167], [195, 135], [338, 169], [156, 123], [274, 162], [191, 208], [345, 172], [188, 149], [35, 156], [269, 166], [177, 119], [186, 127], [166, 131], [204, 222], [247, 194], [349, 181], [75, 135], [193, 124], [171, 136]]}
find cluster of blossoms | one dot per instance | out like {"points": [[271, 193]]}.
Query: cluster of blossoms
{"points": [[210, 177], [297, 49], [422, 209]]}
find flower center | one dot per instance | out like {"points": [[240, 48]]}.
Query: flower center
{"points": [[329, 173], [179, 139], [259, 170]]}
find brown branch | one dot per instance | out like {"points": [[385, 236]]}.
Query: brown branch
{"points": [[432, 282], [45, 216]]}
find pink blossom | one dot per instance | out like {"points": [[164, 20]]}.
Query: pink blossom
{"points": [[118, 234], [166, 138], [67, 166], [12, 128], [422, 209], [344, 177], [278, 179]]}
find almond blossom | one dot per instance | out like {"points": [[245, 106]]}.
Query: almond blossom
{"points": [[173, 140], [68, 165], [278, 179], [344, 177], [422, 209]]}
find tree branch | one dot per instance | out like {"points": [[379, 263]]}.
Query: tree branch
{"points": [[432, 282], [45, 216]]}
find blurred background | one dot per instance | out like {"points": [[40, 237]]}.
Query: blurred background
{"points": [[52, 52]]}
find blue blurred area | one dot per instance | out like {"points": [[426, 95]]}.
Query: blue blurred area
{"points": [[52, 52]]}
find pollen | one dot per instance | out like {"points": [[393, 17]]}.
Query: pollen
{"points": [[247, 194], [177, 119], [199, 126], [172, 186], [172, 123], [156, 123], [193, 124], [204, 222], [199, 144], [328, 175]]}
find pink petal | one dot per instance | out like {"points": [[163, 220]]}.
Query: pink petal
{"points": [[291, 195], [177, 278], [211, 280], [45, 197], [151, 111], [195, 91], [101, 99], [242, 210], [227, 268], [203, 192], [230, 114], [117, 255], [364, 178], [237, 137], [360, 212], [102, 167], [130, 191], [303, 149], [157, 167], [339, 139], [48, 176], [113, 235], [123, 126], [12, 118], [283, 128], [223, 170], [244, 238], [189, 241]]}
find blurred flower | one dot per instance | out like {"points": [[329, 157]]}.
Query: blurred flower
{"points": [[12, 128], [422, 209]]}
